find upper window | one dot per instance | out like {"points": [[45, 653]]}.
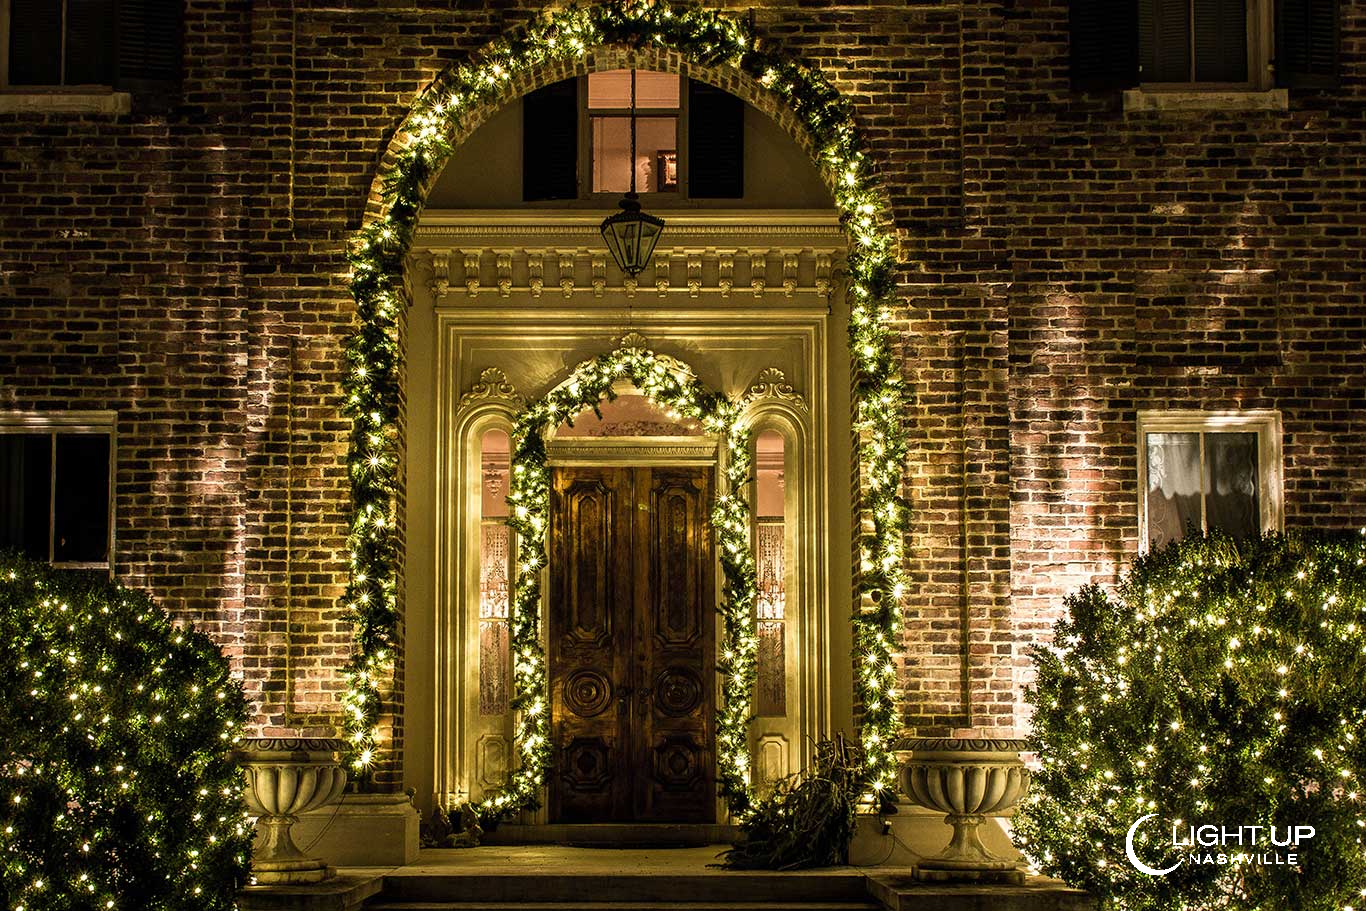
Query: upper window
{"points": [[133, 45], [1208, 471], [1186, 41], [1245, 44], [655, 142], [56, 479], [577, 138]]}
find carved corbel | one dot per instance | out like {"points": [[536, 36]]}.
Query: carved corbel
{"points": [[440, 283], [725, 267], [567, 273], [694, 273], [758, 272], [599, 266], [535, 270], [823, 273], [503, 265], [472, 258], [790, 261]]}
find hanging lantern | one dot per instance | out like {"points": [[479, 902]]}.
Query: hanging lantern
{"points": [[631, 234]]}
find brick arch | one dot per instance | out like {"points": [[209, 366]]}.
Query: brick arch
{"points": [[604, 57], [716, 49]]}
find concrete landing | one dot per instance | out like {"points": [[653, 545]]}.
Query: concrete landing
{"points": [[903, 892], [614, 835]]}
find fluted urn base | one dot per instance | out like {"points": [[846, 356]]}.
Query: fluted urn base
{"points": [[968, 780], [285, 777]]}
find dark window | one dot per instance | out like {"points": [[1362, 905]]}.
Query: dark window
{"points": [[550, 142], [1193, 41], [1117, 44], [133, 45], [55, 496]]}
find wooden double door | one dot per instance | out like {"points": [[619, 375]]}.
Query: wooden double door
{"points": [[632, 645]]}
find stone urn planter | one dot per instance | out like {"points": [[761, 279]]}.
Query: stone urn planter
{"points": [[968, 780], [286, 776]]}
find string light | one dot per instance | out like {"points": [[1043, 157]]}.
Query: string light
{"points": [[116, 790], [1245, 710], [709, 39]]}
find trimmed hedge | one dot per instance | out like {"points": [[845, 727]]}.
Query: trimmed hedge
{"points": [[1221, 684], [116, 791]]}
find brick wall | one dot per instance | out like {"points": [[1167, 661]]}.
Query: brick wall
{"points": [[1065, 264]]}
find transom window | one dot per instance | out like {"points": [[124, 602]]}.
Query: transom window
{"points": [[1203, 472], [56, 480]]}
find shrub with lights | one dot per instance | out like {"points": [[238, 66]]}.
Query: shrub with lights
{"points": [[1221, 684], [116, 791], [704, 38]]}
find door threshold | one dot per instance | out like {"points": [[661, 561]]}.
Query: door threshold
{"points": [[615, 834]]}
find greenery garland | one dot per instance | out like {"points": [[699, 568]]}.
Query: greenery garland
{"points": [[1221, 684], [373, 352], [670, 385], [117, 792]]}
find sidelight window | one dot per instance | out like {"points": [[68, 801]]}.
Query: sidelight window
{"points": [[495, 564], [771, 565]]}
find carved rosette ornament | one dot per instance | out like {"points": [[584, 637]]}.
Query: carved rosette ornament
{"points": [[968, 779], [286, 776]]}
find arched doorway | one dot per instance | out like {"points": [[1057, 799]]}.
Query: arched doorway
{"points": [[809, 110]]}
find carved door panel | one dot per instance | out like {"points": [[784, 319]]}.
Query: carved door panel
{"points": [[676, 659], [632, 645], [590, 643]]}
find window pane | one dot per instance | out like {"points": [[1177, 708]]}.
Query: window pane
{"points": [[1173, 486], [90, 42], [25, 492], [35, 46], [611, 90], [1220, 40], [656, 140], [81, 530], [1232, 505]]}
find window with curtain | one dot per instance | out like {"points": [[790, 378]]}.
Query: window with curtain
{"points": [[1208, 473]]}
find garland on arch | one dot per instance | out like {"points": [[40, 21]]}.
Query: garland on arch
{"points": [[670, 385], [371, 381]]}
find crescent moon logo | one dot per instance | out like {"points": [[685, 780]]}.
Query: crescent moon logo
{"points": [[1139, 865]]}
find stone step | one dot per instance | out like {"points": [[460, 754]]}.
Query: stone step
{"points": [[614, 835], [666, 887], [623, 906]]}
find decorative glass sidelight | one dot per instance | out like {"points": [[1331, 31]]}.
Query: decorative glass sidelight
{"points": [[770, 543], [494, 573]]}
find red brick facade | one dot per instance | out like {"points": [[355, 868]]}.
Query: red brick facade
{"points": [[1065, 264]]}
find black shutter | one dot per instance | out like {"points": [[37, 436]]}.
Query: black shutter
{"points": [[1307, 43], [1104, 44], [1165, 40], [1220, 40], [149, 45], [716, 143], [89, 42], [550, 142], [35, 42]]}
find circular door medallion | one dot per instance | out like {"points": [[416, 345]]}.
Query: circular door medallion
{"points": [[678, 691], [587, 693]]}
